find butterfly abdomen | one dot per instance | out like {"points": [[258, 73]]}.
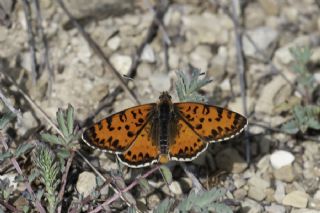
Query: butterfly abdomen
{"points": [[164, 110]]}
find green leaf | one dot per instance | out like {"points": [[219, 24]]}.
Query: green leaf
{"points": [[5, 155], [144, 184], [166, 173], [62, 123], [164, 206], [40, 194], [70, 114], [220, 208], [34, 174], [208, 197], [63, 153], [25, 208], [6, 118], [313, 123], [290, 127], [53, 139], [200, 202], [23, 148], [187, 89], [131, 210]]}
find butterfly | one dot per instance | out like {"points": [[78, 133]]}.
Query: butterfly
{"points": [[161, 132]]}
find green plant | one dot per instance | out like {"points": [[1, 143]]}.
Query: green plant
{"points": [[204, 201], [48, 168], [187, 88], [66, 141], [304, 117], [305, 79], [307, 115]]}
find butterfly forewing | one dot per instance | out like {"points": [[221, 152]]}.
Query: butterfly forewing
{"points": [[211, 123], [117, 132], [143, 152], [186, 145]]}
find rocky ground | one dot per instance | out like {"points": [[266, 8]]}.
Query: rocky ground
{"points": [[283, 174]]}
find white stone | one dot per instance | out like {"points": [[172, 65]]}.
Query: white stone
{"points": [[257, 181], [271, 7], [86, 183], [122, 63], [153, 200], [199, 58], [265, 103], [274, 208], [264, 163], [281, 158], [262, 37], [199, 28], [284, 173], [296, 199], [280, 191], [148, 54], [160, 81], [175, 188], [11, 178], [256, 193], [251, 206], [114, 42]]}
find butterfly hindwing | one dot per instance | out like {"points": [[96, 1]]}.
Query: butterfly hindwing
{"points": [[211, 123], [117, 132], [186, 144], [143, 152]]}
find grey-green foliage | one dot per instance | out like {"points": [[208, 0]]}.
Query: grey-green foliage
{"points": [[6, 118], [164, 206], [301, 57], [204, 201], [48, 169], [166, 174], [65, 119], [5, 189], [187, 89], [304, 117]]}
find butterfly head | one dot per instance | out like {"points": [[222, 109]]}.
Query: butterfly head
{"points": [[165, 97]]}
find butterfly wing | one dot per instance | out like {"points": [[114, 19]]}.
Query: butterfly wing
{"points": [[211, 123], [117, 132], [143, 152], [186, 144]]}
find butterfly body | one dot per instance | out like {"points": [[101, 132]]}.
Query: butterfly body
{"points": [[163, 131]]}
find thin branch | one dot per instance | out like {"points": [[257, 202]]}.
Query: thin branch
{"points": [[31, 40], [133, 184], [274, 129], [9, 206], [9, 105], [241, 75], [15, 164], [100, 53], [43, 36], [196, 183], [64, 181], [33, 104], [158, 18]]}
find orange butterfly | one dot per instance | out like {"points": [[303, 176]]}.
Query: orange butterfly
{"points": [[163, 131]]}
